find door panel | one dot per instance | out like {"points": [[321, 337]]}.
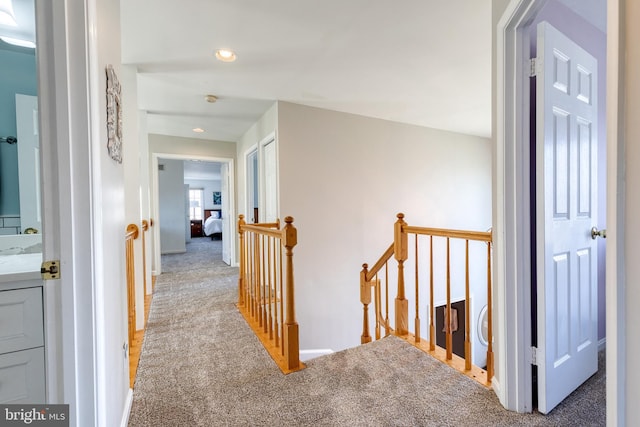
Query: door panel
{"points": [[566, 200], [28, 162]]}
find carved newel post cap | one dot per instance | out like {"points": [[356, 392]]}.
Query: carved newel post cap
{"points": [[400, 215], [240, 216], [290, 237]]}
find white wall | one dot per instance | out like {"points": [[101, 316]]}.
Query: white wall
{"points": [[343, 178], [191, 147], [171, 201], [109, 223]]}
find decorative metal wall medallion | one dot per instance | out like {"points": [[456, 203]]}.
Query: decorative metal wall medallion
{"points": [[114, 115]]}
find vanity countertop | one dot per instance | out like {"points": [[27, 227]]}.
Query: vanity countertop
{"points": [[20, 267]]}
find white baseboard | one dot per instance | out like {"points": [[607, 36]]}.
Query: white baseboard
{"points": [[127, 409], [312, 354], [602, 344]]}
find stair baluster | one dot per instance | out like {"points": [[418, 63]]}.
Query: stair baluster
{"points": [[399, 250], [266, 291]]}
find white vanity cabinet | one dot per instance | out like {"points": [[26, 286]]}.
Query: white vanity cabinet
{"points": [[22, 369]]}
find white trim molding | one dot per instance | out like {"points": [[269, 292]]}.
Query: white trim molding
{"points": [[155, 207], [127, 409], [512, 228]]}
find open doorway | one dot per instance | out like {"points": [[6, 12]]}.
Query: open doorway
{"points": [[517, 166], [192, 198], [204, 183]]}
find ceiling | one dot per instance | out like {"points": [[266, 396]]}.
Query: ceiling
{"points": [[424, 62]]}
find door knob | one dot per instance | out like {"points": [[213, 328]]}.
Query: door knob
{"points": [[595, 233]]}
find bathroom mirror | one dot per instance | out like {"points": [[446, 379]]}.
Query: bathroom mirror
{"points": [[19, 138]]}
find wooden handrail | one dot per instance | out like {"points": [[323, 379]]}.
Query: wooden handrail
{"points": [[400, 250], [262, 230], [266, 291], [480, 236], [386, 256], [275, 225], [132, 232]]}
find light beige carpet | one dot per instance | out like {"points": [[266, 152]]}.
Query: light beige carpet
{"points": [[202, 366]]}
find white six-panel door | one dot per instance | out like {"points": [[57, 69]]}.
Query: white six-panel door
{"points": [[28, 162], [566, 146]]}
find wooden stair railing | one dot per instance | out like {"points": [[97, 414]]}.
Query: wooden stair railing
{"points": [[132, 233], [266, 291], [400, 251]]}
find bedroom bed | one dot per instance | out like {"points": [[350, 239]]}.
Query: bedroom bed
{"points": [[213, 223]]}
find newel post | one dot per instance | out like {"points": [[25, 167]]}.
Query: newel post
{"points": [[365, 299], [243, 261], [400, 249], [291, 344]]}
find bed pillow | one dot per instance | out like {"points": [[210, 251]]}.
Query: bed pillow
{"points": [[215, 214]]}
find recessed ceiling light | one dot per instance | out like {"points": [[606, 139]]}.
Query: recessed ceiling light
{"points": [[211, 98], [198, 130], [225, 55]]}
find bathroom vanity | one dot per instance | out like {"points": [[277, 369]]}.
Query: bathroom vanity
{"points": [[22, 349]]}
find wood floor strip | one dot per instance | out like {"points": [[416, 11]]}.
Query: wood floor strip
{"points": [[136, 346]]}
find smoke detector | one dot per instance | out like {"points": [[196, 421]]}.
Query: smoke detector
{"points": [[211, 98]]}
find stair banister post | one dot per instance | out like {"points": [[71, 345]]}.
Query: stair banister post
{"points": [[241, 273], [291, 344], [400, 243], [365, 299]]}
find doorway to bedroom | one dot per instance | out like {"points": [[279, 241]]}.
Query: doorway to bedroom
{"points": [[203, 184], [193, 206]]}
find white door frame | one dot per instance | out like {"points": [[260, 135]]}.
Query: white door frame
{"points": [[261, 190], [73, 359], [615, 264], [262, 170], [155, 206], [511, 220], [249, 177]]}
